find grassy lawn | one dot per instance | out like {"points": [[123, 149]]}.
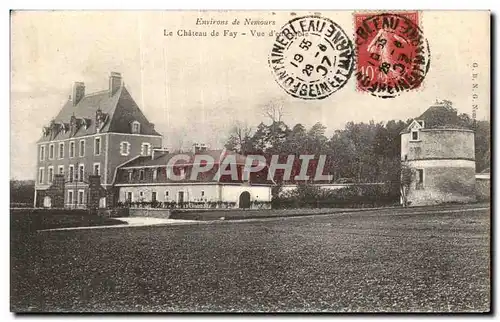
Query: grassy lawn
{"points": [[385, 260]]}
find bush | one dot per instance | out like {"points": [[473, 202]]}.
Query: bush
{"points": [[310, 196]]}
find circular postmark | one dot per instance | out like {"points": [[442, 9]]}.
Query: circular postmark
{"points": [[312, 57], [392, 54]]}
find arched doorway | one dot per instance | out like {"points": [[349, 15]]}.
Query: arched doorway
{"points": [[244, 200], [47, 202]]}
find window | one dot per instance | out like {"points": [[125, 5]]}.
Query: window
{"points": [[40, 175], [51, 151], [136, 127], [61, 150], [81, 172], [70, 197], [80, 197], [82, 148], [166, 194], [141, 195], [420, 179], [153, 196], [129, 196], [155, 174], [130, 176], [141, 174], [145, 149], [42, 152], [203, 193], [61, 169], [97, 146], [71, 173], [124, 148], [414, 135], [97, 168], [51, 174], [72, 149]]}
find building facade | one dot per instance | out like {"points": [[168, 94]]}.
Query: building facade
{"points": [[91, 135], [145, 179], [442, 162]]}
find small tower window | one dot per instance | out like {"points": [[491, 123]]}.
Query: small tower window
{"points": [[420, 179], [136, 127], [414, 136]]}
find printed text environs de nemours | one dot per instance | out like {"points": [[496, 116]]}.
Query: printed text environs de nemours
{"points": [[225, 28]]}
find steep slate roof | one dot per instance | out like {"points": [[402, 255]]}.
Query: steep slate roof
{"points": [[163, 159], [120, 109], [438, 117]]}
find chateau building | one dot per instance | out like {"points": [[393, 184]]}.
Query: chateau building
{"points": [[100, 150], [440, 154], [89, 138], [147, 179]]}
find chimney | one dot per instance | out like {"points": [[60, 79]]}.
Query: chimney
{"points": [[78, 92], [199, 147], [115, 82]]}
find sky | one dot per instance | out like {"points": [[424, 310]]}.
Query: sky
{"points": [[195, 88]]}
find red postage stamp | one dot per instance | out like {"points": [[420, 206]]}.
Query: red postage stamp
{"points": [[393, 54]]}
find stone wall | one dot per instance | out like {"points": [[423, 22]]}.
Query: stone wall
{"points": [[483, 189], [443, 184], [439, 144], [149, 212]]}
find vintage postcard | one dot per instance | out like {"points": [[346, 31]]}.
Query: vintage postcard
{"points": [[250, 161]]}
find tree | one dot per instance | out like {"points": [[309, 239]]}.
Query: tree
{"points": [[482, 140], [240, 138], [406, 180], [316, 139], [274, 110]]}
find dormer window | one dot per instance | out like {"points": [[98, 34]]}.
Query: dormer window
{"points": [[136, 127], [86, 123]]}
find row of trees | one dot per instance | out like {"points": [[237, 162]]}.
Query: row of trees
{"points": [[22, 193], [365, 152]]}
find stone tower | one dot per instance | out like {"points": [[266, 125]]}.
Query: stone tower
{"points": [[440, 157]]}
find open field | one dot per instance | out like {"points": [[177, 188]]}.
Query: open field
{"points": [[382, 260]]}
